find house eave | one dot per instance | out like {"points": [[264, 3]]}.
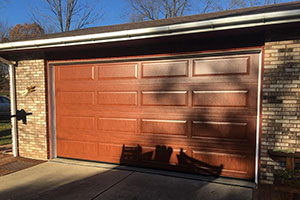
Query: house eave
{"points": [[227, 23]]}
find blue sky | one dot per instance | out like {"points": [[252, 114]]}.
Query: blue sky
{"points": [[18, 11]]}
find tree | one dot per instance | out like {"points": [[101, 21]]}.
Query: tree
{"points": [[4, 31], [66, 15], [267, 2], [212, 5], [25, 31], [142, 10], [157, 9], [4, 28], [4, 78]]}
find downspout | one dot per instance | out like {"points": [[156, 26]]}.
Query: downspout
{"points": [[13, 105]]}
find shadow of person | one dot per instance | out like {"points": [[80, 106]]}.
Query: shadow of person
{"points": [[131, 154], [135, 156], [163, 154], [195, 166]]}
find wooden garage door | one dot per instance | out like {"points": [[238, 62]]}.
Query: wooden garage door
{"points": [[200, 110]]}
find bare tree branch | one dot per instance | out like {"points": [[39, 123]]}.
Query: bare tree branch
{"points": [[157, 9], [4, 31], [67, 15], [235, 4], [204, 6]]}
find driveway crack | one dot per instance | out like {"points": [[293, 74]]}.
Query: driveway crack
{"points": [[110, 187]]}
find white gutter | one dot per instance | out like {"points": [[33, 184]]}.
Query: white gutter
{"points": [[13, 105], [226, 23]]}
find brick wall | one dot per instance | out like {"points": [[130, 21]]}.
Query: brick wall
{"points": [[280, 103], [32, 136]]}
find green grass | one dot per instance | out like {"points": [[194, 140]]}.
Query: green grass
{"points": [[5, 132], [4, 93]]}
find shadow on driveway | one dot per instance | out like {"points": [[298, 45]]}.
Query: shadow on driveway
{"points": [[56, 180]]}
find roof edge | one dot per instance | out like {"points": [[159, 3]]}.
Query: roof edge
{"points": [[227, 23]]}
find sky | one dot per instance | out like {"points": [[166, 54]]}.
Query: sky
{"points": [[18, 11]]}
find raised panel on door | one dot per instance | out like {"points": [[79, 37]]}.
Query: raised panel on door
{"points": [[118, 71]]}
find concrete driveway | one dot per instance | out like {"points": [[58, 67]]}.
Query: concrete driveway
{"points": [[66, 179]]}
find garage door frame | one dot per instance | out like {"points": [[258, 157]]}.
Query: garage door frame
{"points": [[51, 87]]}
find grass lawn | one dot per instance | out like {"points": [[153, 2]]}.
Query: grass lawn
{"points": [[4, 93], [5, 132]]}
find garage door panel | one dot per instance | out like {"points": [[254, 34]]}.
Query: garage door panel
{"points": [[117, 98], [85, 123], [118, 71], [236, 98], [77, 149], [233, 164], [165, 69], [205, 106], [117, 124], [110, 152], [76, 73], [224, 66], [164, 98], [235, 131], [76, 97], [169, 127], [231, 130]]}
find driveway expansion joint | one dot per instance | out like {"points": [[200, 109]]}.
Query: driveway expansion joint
{"points": [[112, 186]]}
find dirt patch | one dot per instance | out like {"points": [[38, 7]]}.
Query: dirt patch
{"points": [[10, 164], [271, 192]]}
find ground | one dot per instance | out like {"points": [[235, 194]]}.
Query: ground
{"points": [[71, 179], [10, 164], [61, 179]]}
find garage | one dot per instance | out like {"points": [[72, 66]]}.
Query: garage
{"points": [[202, 105], [212, 93]]}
